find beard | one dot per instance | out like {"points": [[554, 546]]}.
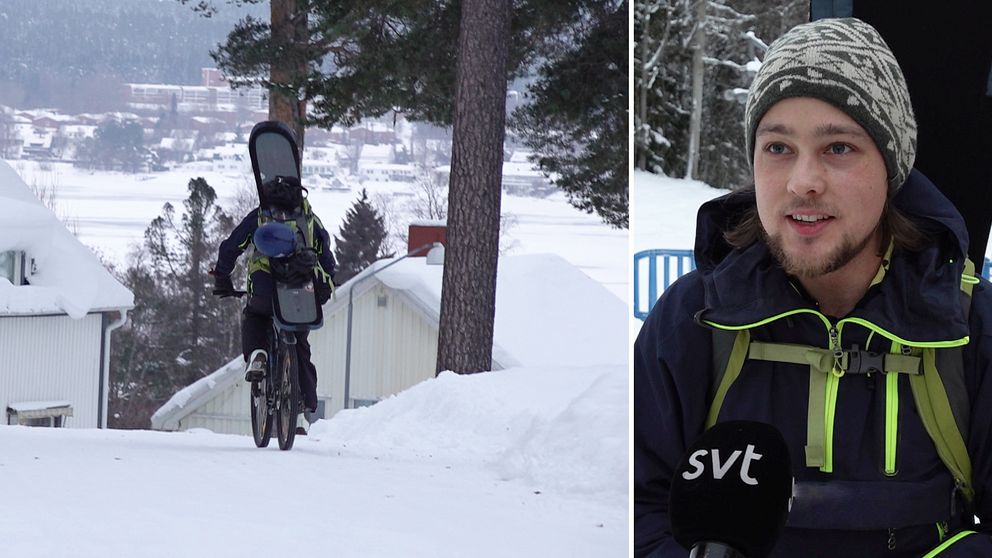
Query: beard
{"points": [[795, 265]]}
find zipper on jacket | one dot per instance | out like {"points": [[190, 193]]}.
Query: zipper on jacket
{"points": [[891, 421], [833, 384], [830, 396]]}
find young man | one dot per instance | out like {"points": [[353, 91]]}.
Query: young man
{"points": [[841, 254], [257, 317]]}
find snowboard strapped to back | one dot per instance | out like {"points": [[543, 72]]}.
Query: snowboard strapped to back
{"points": [[275, 162]]}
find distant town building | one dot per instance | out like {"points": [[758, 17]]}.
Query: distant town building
{"points": [[212, 97]]}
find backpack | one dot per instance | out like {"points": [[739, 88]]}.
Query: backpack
{"points": [[283, 202], [936, 376]]}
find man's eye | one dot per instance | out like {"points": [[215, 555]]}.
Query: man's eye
{"points": [[840, 149], [776, 148]]}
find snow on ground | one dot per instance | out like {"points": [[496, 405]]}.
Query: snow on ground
{"points": [[522, 462], [110, 211], [664, 210]]}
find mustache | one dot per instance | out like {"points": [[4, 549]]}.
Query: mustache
{"points": [[808, 205]]}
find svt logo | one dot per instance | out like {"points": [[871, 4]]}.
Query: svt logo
{"points": [[720, 468]]}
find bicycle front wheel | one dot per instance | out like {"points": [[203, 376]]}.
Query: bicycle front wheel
{"points": [[288, 395], [261, 418]]}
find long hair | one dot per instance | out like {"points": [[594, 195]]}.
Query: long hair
{"points": [[904, 233]]}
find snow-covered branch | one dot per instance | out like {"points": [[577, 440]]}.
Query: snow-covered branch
{"points": [[727, 63], [753, 39], [729, 13]]}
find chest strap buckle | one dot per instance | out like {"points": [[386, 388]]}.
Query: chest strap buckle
{"points": [[864, 362]]}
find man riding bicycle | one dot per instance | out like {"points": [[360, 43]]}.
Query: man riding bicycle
{"points": [[282, 193]]}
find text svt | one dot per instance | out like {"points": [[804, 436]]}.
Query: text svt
{"points": [[720, 468]]}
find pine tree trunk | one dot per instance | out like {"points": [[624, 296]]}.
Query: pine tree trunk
{"points": [[289, 32], [696, 119], [468, 299]]}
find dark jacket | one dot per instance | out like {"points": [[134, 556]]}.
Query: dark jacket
{"points": [[260, 282], [918, 299]]}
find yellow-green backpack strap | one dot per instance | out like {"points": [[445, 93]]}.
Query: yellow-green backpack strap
{"points": [[934, 408], [729, 353]]}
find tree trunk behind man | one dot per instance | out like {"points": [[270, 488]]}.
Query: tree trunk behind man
{"points": [[289, 34], [468, 300]]}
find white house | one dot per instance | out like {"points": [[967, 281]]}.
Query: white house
{"points": [[58, 306], [548, 313]]}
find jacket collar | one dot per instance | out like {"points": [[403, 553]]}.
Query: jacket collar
{"points": [[917, 300]]}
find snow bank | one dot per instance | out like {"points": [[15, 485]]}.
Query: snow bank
{"points": [[581, 449], [558, 429]]}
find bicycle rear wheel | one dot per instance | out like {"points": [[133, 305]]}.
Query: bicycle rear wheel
{"points": [[288, 396], [261, 418]]}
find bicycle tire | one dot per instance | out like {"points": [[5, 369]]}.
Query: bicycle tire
{"points": [[288, 396], [261, 418]]}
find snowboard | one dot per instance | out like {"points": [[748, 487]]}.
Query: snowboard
{"points": [[274, 152]]}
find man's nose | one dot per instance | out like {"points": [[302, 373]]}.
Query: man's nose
{"points": [[808, 176]]}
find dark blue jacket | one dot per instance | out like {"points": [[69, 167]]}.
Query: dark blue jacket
{"points": [[918, 299], [260, 282]]}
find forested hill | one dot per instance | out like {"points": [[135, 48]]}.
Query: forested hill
{"points": [[48, 45]]}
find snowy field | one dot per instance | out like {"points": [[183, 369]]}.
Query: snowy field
{"points": [[517, 463], [109, 211]]}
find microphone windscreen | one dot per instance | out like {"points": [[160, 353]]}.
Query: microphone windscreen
{"points": [[733, 486]]}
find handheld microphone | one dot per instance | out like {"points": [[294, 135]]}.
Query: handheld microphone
{"points": [[732, 491]]}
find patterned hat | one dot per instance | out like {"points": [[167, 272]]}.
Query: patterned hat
{"points": [[846, 63]]}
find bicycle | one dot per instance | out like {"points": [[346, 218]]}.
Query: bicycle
{"points": [[276, 397], [294, 308]]}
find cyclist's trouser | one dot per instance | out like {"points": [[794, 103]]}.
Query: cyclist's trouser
{"points": [[256, 322]]}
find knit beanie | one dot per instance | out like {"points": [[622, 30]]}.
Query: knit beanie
{"points": [[846, 63]]}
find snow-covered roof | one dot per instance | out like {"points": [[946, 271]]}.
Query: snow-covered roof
{"points": [[428, 223], [67, 276], [207, 120], [176, 144], [372, 153], [38, 405], [191, 397], [547, 311]]}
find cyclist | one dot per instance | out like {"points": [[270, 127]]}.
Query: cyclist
{"points": [[282, 193]]}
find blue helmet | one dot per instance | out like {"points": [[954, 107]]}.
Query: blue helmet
{"points": [[275, 239]]}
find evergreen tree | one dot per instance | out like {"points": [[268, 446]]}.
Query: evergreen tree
{"points": [[177, 332], [362, 240], [577, 117], [366, 58]]}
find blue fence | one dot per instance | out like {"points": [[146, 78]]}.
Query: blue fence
{"points": [[649, 282], [655, 270]]}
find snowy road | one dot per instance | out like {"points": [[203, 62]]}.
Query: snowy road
{"points": [[345, 490]]}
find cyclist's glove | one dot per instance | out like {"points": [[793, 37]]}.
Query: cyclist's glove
{"points": [[223, 287]]}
